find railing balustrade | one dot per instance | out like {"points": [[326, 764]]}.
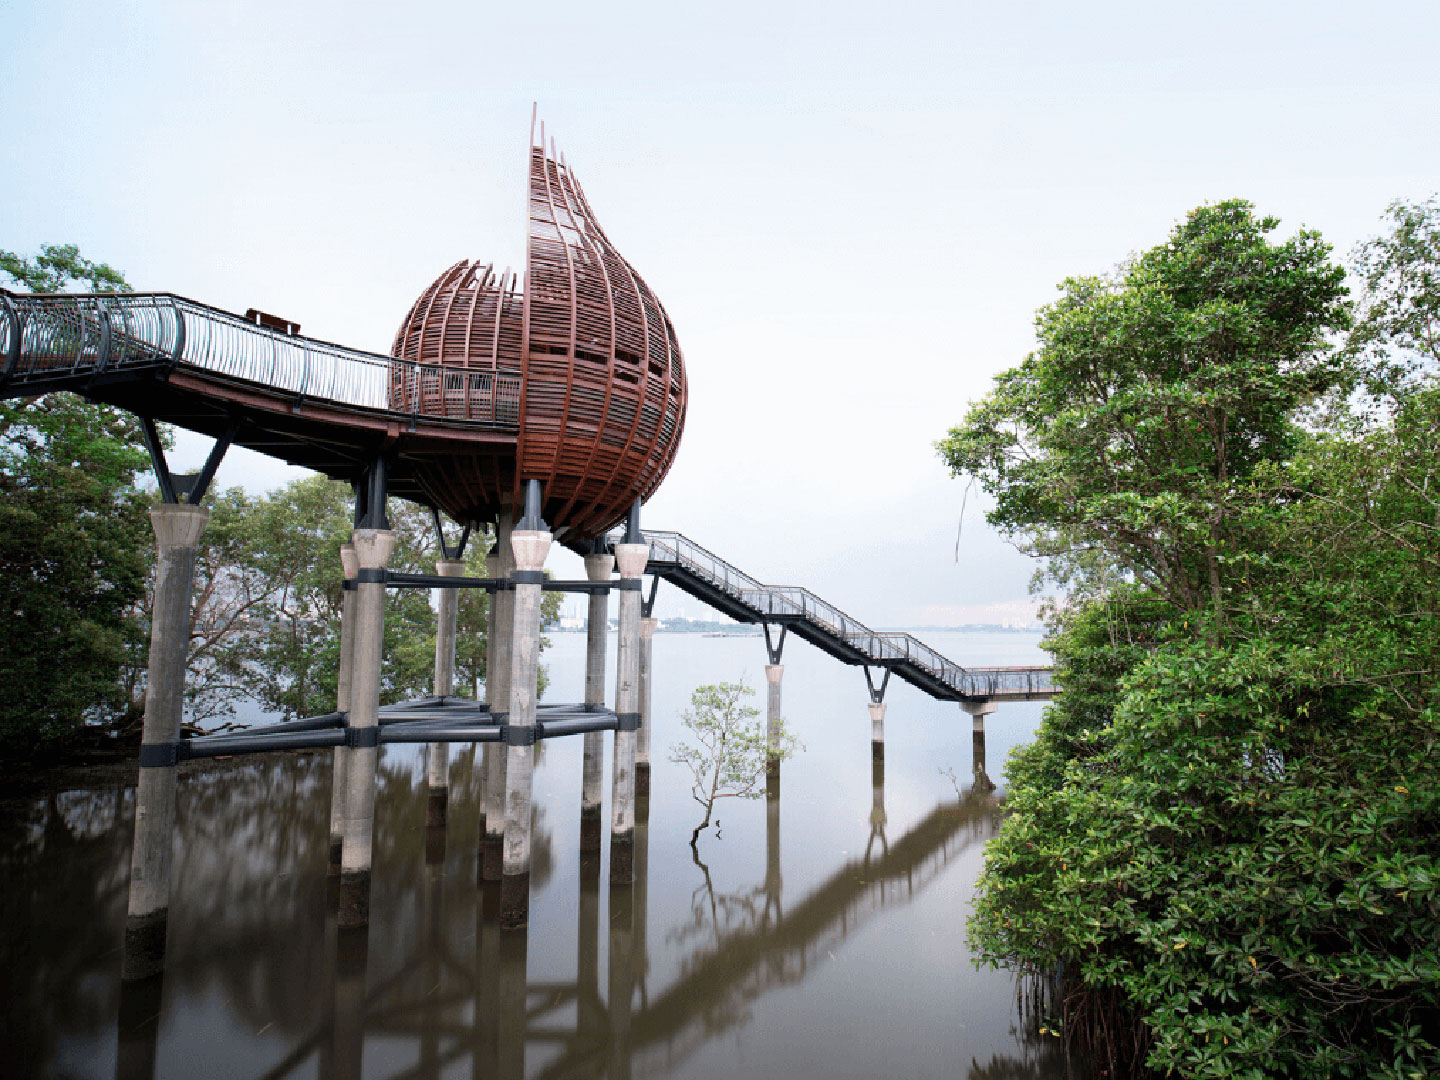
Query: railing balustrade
{"points": [[50, 335]]}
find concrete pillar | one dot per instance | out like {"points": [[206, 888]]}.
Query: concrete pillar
{"points": [[979, 710], [437, 755], [773, 674], [485, 752], [177, 534], [530, 546], [497, 690], [592, 778], [642, 740], [349, 564], [631, 559], [877, 730], [373, 548]]}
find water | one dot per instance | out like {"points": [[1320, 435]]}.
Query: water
{"points": [[822, 936]]}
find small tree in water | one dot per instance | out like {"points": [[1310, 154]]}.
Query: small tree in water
{"points": [[728, 757]]}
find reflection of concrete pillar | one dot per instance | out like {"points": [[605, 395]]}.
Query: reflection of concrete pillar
{"points": [[487, 969], [510, 1005], [431, 935], [622, 979], [773, 673], [139, 1028], [631, 559], [877, 730], [437, 755], [597, 629], [177, 534], [373, 548], [531, 546], [497, 689], [352, 949], [877, 807], [642, 740], [774, 881], [349, 564], [589, 1012]]}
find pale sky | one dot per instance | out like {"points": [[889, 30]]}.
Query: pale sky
{"points": [[851, 213]]}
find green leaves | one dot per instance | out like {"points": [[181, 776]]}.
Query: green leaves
{"points": [[1231, 819]]}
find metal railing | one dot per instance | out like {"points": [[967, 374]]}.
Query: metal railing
{"points": [[788, 602], [50, 336]]}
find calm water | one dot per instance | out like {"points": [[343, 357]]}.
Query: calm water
{"points": [[822, 936]]}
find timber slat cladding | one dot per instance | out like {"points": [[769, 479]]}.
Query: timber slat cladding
{"points": [[584, 359]]}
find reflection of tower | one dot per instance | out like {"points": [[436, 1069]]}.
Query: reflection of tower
{"points": [[509, 976], [352, 950], [139, 1028], [774, 881], [622, 978], [877, 806]]}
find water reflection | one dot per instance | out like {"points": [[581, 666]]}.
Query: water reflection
{"points": [[262, 983]]}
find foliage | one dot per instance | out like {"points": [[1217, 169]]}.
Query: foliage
{"points": [[1225, 834], [75, 546], [57, 267], [1397, 332], [731, 749], [1123, 444]]}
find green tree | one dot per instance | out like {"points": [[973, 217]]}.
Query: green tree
{"points": [[75, 546], [1225, 832], [1123, 444], [730, 749]]}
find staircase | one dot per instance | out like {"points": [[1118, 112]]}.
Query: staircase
{"points": [[729, 590]]}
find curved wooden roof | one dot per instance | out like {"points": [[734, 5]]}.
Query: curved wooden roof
{"points": [[602, 381]]}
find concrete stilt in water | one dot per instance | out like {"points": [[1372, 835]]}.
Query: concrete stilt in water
{"points": [[631, 556], [877, 713], [877, 730], [497, 690], [979, 710], [487, 968], [139, 1028], [177, 534], [774, 649], [530, 542], [510, 1001], [774, 879], [437, 755], [373, 548], [349, 564], [598, 567], [485, 752], [642, 740]]}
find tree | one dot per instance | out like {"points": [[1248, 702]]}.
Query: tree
{"points": [[1225, 833], [1124, 442], [728, 759], [75, 547], [1397, 332]]}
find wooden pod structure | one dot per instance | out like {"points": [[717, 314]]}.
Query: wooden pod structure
{"points": [[583, 354]]}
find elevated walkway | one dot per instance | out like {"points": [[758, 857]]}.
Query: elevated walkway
{"points": [[729, 590]]}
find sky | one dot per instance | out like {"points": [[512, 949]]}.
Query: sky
{"points": [[851, 213]]}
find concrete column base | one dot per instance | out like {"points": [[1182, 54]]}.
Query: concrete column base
{"points": [[514, 900], [877, 730], [144, 945], [622, 858], [354, 899], [437, 802]]}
